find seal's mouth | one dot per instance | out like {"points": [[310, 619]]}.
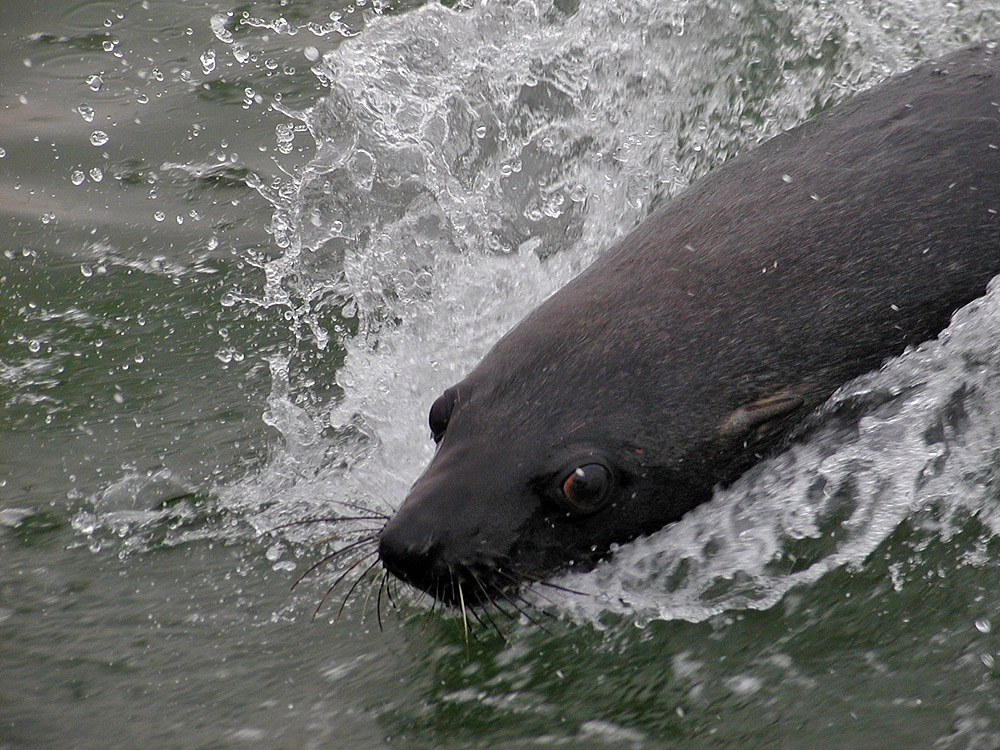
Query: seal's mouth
{"points": [[426, 564]]}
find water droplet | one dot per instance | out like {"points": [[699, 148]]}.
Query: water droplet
{"points": [[139, 359], [240, 53], [142, 99], [311, 53], [118, 397], [157, 74], [159, 216], [86, 112], [48, 217], [786, 178], [481, 131], [99, 138], [983, 625], [96, 174], [218, 24], [77, 177], [35, 346], [86, 270], [107, 45], [3, 152], [208, 61], [95, 82]]}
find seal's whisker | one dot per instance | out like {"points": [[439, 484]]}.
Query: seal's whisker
{"points": [[359, 507], [488, 599], [556, 586], [340, 578], [332, 555], [378, 600], [355, 585], [465, 617], [504, 612], [388, 590], [371, 588], [517, 579], [531, 619], [493, 624], [314, 521], [341, 534], [430, 612]]}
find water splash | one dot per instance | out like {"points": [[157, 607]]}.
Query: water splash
{"points": [[468, 162]]}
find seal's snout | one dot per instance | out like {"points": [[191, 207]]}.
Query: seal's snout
{"points": [[408, 550]]}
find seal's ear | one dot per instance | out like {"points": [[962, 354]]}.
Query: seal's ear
{"points": [[750, 416]]}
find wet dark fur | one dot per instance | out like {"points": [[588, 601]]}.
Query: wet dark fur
{"points": [[695, 345]]}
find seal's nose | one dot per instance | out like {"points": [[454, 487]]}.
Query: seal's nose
{"points": [[408, 549]]}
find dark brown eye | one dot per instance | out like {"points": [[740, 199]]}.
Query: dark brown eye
{"points": [[441, 414], [586, 488]]}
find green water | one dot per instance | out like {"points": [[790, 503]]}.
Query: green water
{"points": [[190, 357]]}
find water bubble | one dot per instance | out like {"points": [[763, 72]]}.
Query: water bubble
{"points": [[99, 138], [77, 177], [142, 99], [208, 61], [159, 216], [157, 74], [48, 217], [96, 174], [86, 112], [95, 82], [35, 346], [311, 53], [107, 45]]}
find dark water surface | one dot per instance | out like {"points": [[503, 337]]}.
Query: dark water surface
{"points": [[246, 245]]}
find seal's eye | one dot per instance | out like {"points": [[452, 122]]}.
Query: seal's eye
{"points": [[586, 488], [440, 414]]}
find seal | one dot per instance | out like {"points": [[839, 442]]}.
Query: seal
{"points": [[700, 342]]}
